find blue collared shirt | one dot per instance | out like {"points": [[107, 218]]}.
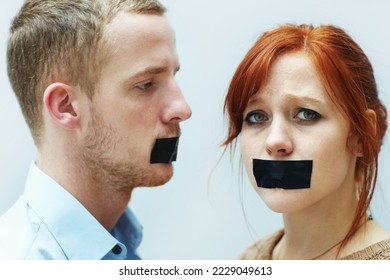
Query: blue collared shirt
{"points": [[47, 222]]}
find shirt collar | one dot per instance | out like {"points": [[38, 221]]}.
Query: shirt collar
{"points": [[76, 231]]}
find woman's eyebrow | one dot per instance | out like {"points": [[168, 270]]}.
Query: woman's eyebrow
{"points": [[291, 98], [304, 99]]}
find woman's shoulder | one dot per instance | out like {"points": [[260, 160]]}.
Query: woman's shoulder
{"points": [[263, 248], [377, 251], [374, 245]]}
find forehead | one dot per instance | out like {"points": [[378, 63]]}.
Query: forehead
{"points": [[293, 75], [294, 81], [128, 29], [134, 42], [138, 26], [131, 36]]}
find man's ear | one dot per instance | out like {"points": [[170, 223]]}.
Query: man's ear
{"points": [[61, 104], [355, 141]]}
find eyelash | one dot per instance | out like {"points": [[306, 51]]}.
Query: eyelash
{"points": [[253, 114], [315, 116], [145, 85]]}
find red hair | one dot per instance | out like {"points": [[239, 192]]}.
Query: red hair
{"points": [[346, 74]]}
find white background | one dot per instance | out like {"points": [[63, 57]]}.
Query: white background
{"points": [[199, 213]]}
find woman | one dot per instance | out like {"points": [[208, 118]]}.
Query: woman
{"points": [[305, 104]]}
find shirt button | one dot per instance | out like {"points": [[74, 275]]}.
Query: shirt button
{"points": [[117, 250]]}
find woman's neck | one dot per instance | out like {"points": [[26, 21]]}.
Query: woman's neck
{"points": [[317, 231]]}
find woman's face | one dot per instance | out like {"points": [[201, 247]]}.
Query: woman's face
{"points": [[293, 118]]}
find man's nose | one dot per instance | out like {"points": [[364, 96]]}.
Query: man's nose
{"points": [[176, 107]]}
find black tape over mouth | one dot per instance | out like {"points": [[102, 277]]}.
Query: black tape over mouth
{"points": [[164, 150], [283, 174]]}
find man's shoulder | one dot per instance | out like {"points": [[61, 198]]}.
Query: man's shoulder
{"points": [[22, 234]]}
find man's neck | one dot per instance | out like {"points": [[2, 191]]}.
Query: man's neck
{"points": [[100, 199]]}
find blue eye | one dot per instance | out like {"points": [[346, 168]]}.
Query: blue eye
{"points": [[255, 117], [145, 86], [308, 115]]}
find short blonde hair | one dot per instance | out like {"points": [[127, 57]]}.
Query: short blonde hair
{"points": [[61, 40]]}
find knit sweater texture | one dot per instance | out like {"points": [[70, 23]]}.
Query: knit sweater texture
{"points": [[262, 250]]}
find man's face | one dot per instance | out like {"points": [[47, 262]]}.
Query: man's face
{"points": [[136, 101]]}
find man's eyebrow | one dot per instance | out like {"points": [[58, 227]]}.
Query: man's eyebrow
{"points": [[150, 70], [153, 71]]}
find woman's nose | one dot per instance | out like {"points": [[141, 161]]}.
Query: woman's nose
{"points": [[279, 141]]}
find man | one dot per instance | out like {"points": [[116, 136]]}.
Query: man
{"points": [[96, 84]]}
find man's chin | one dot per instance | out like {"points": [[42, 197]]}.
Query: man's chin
{"points": [[160, 176]]}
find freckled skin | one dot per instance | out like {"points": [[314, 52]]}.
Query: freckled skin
{"points": [[288, 132]]}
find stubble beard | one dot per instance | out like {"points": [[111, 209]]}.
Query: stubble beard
{"points": [[110, 174]]}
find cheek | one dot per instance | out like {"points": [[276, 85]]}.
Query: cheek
{"points": [[250, 148], [252, 143], [332, 161], [245, 149]]}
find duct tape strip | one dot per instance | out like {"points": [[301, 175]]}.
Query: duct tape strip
{"points": [[164, 150], [284, 174]]}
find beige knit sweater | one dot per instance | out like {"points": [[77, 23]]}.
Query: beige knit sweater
{"points": [[262, 250]]}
